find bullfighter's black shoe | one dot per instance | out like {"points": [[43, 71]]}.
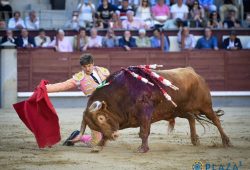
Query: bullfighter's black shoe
{"points": [[72, 136]]}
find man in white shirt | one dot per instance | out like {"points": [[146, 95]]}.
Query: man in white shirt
{"points": [[60, 43], [86, 12], [32, 21], [42, 40], [95, 40], [179, 10], [16, 22], [131, 23]]}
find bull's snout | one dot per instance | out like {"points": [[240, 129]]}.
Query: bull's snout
{"points": [[115, 135]]}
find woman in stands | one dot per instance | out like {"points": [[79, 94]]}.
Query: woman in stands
{"points": [[81, 40], [214, 20], [143, 12]]}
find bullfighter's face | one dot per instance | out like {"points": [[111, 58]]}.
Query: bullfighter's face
{"points": [[100, 119]]}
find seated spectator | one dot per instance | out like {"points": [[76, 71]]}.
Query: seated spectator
{"points": [[214, 20], [60, 43], [81, 40], [227, 6], [246, 22], [159, 38], [2, 24], [86, 13], [8, 37], [179, 10], [160, 13], [132, 23], [5, 10], [25, 40], [127, 41], [208, 5], [110, 39], [123, 9], [98, 24], [105, 12], [74, 22], [42, 40], [143, 12], [207, 41], [186, 41], [231, 21], [232, 42], [32, 21], [95, 40], [16, 22], [115, 22], [142, 40], [197, 16]]}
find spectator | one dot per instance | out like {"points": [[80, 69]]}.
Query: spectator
{"points": [[197, 16], [246, 22], [95, 40], [142, 40], [143, 12], [16, 22], [160, 13], [5, 10], [214, 20], [159, 38], [115, 22], [25, 40], [8, 37], [98, 23], [127, 41], [208, 5], [60, 43], [123, 9], [231, 21], [110, 39], [74, 22], [232, 42], [86, 13], [2, 24], [42, 40], [105, 12], [227, 6], [32, 21], [132, 23], [186, 41], [179, 10], [81, 40], [207, 41]]}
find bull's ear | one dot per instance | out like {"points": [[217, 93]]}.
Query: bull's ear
{"points": [[95, 106], [104, 105]]}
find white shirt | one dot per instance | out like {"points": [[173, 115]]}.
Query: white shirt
{"points": [[25, 42], [86, 12], [63, 46], [143, 13], [32, 25], [12, 23], [95, 74], [39, 40], [179, 12], [95, 42]]}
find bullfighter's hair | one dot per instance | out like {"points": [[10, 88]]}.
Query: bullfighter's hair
{"points": [[86, 59]]}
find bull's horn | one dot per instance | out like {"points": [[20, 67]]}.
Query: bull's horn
{"points": [[83, 126], [97, 105]]}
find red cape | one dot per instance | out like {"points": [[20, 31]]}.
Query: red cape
{"points": [[39, 115]]}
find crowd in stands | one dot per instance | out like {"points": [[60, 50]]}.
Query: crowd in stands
{"points": [[139, 15]]}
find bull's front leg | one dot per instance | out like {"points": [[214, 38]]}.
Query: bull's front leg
{"points": [[145, 124]]}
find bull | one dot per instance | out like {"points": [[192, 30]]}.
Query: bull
{"points": [[128, 103]]}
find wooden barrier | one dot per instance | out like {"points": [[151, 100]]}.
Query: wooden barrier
{"points": [[223, 70]]}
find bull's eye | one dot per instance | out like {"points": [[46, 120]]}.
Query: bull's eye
{"points": [[101, 118]]}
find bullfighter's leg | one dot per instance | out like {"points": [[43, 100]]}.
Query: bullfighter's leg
{"points": [[210, 114], [100, 145], [194, 137], [96, 137]]}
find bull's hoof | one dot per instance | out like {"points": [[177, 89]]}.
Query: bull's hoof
{"points": [[226, 142], [96, 149], [195, 140], [142, 149]]}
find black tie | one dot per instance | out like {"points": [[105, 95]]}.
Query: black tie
{"points": [[94, 78]]}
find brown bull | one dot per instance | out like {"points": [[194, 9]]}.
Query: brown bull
{"points": [[128, 102]]}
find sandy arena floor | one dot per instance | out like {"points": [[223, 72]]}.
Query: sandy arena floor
{"points": [[18, 149]]}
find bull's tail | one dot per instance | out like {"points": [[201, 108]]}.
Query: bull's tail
{"points": [[203, 120]]}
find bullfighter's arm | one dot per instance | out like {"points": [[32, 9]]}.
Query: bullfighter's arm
{"points": [[62, 86]]}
